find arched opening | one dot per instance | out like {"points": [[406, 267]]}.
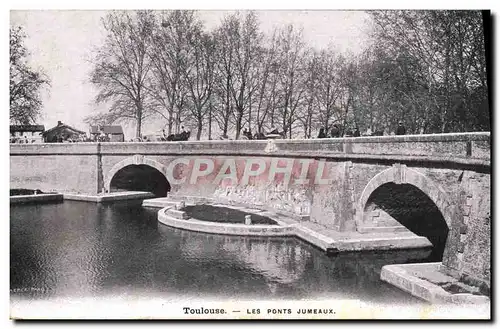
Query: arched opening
{"points": [[140, 178], [413, 209]]}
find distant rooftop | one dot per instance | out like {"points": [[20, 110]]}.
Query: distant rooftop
{"points": [[60, 125], [106, 129], [27, 128]]}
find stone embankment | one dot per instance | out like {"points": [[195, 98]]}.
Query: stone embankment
{"points": [[325, 239]]}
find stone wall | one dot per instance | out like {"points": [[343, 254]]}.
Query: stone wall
{"points": [[468, 253], [464, 145], [55, 167]]}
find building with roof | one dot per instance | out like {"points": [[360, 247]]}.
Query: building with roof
{"points": [[63, 133], [112, 133], [26, 133]]}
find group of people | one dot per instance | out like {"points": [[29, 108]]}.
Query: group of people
{"points": [[335, 132], [182, 136], [102, 137], [273, 133]]}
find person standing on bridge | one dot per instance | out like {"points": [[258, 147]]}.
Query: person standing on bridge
{"points": [[356, 132], [401, 130], [247, 134], [335, 133], [322, 133]]}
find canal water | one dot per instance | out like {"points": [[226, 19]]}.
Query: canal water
{"points": [[80, 250]]}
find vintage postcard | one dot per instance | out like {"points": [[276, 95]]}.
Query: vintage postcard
{"points": [[250, 164]]}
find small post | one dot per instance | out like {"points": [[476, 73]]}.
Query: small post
{"points": [[34, 192], [103, 191], [248, 220]]}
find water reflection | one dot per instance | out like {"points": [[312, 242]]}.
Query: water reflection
{"points": [[280, 260], [82, 249]]}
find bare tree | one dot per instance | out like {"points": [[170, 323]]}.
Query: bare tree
{"points": [[291, 73], [440, 55], [238, 39], [266, 82], [308, 113], [347, 117], [198, 76], [169, 56], [224, 73], [370, 100], [426, 68], [25, 82], [122, 67], [329, 86]]}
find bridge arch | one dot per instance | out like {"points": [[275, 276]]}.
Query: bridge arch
{"points": [[400, 174], [136, 160]]}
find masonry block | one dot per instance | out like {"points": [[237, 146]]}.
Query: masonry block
{"points": [[178, 214]]}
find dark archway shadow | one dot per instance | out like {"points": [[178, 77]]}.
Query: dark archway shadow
{"points": [[140, 178], [413, 209]]}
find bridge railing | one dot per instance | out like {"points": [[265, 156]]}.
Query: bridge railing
{"points": [[461, 148]]}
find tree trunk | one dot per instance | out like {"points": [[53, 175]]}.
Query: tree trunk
{"points": [[238, 123], [138, 124], [200, 127], [210, 121], [258, 119], [170, 123], [226, 126], [177, 121], [228, 105], [250, 111]]}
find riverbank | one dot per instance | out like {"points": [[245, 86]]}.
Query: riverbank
{"points": [[36, 198], [426, 281], [24, 191], [109, 197], [33, 196]]}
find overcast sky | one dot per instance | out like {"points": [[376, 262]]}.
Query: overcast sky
{"points": [[61, 41]]}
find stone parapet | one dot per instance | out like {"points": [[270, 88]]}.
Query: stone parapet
{"points": [[456, 145]]}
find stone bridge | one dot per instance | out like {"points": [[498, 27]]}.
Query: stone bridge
{"points": [[343, 184]]}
